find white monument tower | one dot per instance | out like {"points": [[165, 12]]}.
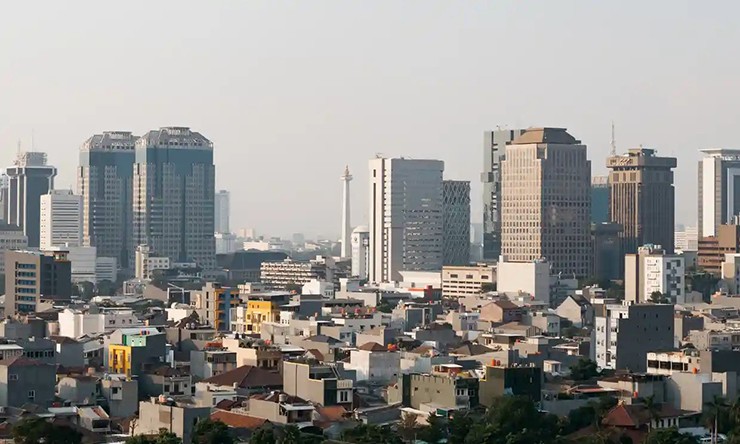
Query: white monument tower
{"points": [[346, 228]]}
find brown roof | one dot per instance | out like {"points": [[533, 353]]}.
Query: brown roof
{"points": [[470, 349], [226, 404], [332, 413], [21, 361], [315, 353], [275, 397], [506, 304], [545, 135], [238, 421], [636, 415], [372, 346], [63, 340], [247, 376]]}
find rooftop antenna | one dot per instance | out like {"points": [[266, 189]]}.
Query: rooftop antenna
{"points": [[614, 141]]}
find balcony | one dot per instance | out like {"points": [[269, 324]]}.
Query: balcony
{"points": [[344, 384]]}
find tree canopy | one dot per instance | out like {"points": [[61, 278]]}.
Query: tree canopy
{"points": [[36, 430]]}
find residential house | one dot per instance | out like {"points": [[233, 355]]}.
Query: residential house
{"points": [[24, 380], [321, 384], [501, 311], [577, 310], [178, 418], [375, 363]]}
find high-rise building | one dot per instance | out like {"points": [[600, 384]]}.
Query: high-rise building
{"points": [[173, 209], [4, 182], [61, 219], [642, 199], [11, 238], [456, 222], [405, 217], [105, 182], [546, 201], [719, 189], [607, 250], [652, 270], [32, 276], [712, 249], [28, 179], [346, 178], [687, 238], [223, 211], [360, 244], [494, 150], [599, 199]]}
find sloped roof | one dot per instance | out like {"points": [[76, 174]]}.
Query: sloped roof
{"points": [[247, 376], [237, 420], [636, 415], [372, 346], [471, 349]]}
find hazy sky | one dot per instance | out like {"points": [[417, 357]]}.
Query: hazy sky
{"points": [[290, 92]]}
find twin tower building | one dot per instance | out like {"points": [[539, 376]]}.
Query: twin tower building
{"points": [[155, 190]]}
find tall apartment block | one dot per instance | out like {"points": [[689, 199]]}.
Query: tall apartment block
{"points": [[719, 189], [546, 201], [360, 244], [651, 270], [642, 199], [61, 219], [456, 222], [28, 179], [494, 150], [599, 199], [174, 189], [406, 217], [104, 180], [31, 276], [222, 211]]}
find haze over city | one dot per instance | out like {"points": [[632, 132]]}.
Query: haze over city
{"points": [[290, 92]]}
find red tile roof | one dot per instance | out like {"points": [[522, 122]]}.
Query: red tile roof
{"points": [[247, 376], [237, 420]]}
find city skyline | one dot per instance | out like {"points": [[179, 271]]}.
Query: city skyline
{"points": [[283, 130]]}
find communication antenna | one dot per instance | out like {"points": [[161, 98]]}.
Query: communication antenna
{"points": [[614, 141]]}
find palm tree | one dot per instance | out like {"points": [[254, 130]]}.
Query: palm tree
{"points": [[653, 410], [714, 409]]}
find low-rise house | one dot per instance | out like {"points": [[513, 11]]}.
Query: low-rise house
{"points": [[379, 335], [374, 363], [322, 384], [79, 389], [442, 335], [504, 380], [254, 353], [409, 315], [546, 320], [179, 418], [40, 349], [94, 418], [326, 345], [246, 380], [423, 359], [121, 395], [167, 381], [68, 352], [280, 408], [447, 389], [24, 380], [576, 309], [211, 362], [501, 311]]}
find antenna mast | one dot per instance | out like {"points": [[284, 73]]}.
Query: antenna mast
{"points": [[614, 141]]}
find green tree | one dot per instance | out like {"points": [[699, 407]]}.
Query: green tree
{"points": [[716, 415], [208, 431], [35, 430], [669, 436], [166, 437], [652, 408], [657, 297], [584, 369], [291, 435], [408, 427], [106, 288], [434, 431], [459, 427], [371, 434], [263, 436]]}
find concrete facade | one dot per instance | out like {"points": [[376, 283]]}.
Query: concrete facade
{"points": [[461, 281], [456, 222], [653, 270]]}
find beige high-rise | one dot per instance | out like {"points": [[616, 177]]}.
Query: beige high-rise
{"points": [[642, 199], [546, 201]]}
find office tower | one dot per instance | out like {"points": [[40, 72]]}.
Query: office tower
{"points": [[11, 238], [494, 150], [687, 238], [546, 201], [105, 182], [360, 244], [652, 270], [719, 189], [642, 198], [61, 219], [346, 227], [4, 182], [712, 249], [456, 222], [32, 276], [28, 179], [607, 250], [223, 211], [173, 210], [405, 217], [599, 199]]}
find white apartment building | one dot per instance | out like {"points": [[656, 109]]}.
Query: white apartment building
{"points": [[459, 282], [75, 323], [222, 210], [652, 270], [687, 239], [670, 362], [624, 335], [146, 262], [61, 219], [360, 248], [719, 172], [731, 272], [406, 217], [11, 238], [531, 277]]}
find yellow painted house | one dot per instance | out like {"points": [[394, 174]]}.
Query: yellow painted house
{"points": [[119, 359]]}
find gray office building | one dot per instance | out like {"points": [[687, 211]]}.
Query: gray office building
{"points": [[104, 180], [494, 149], [174, 189], [455, 222], [32, 276], [599, 199], [28, 179]]}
